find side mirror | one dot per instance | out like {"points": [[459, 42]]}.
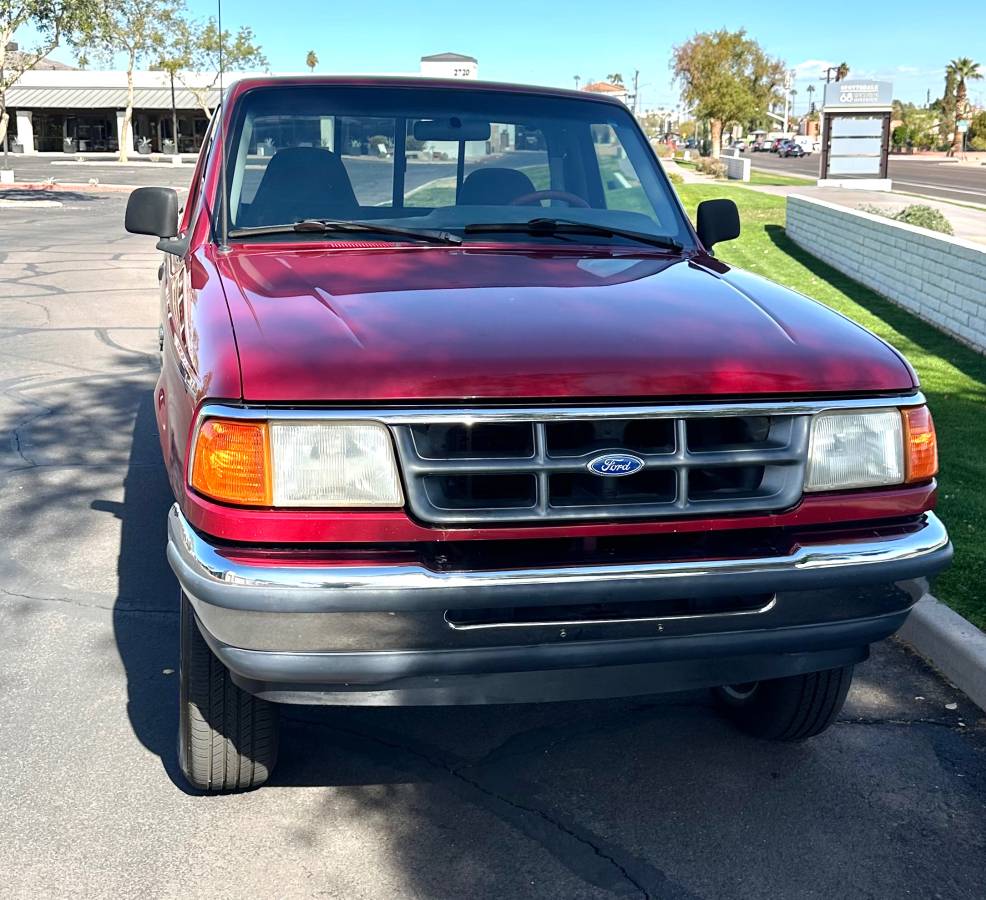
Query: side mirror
{"points": [[718, 220], [154, 211]]}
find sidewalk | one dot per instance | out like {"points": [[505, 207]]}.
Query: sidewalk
{"points": [[969, 158], [104, 157]]}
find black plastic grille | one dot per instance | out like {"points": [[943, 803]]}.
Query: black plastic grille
{"points": [[524, 471]]}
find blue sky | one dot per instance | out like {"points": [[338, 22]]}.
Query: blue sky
{"points": [[547, 42]]}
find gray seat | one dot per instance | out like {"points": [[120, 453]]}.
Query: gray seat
{"points": [[303, 183], [492, 186]]}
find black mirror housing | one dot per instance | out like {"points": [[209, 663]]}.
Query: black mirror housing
{"points": [[153, 210], [717, 220]]}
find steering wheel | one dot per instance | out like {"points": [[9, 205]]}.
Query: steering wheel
{"points": [[535, 197]]}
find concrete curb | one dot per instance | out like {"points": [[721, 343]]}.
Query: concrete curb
{"points": [[74, 186], [30, 204], [951, 644]]}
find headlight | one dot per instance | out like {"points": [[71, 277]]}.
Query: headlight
{"points": [[333, 465], [871, 448], [296, 464], [855, 449]]}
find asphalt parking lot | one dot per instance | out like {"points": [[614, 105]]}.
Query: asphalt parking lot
{"points": [[653, 797]]}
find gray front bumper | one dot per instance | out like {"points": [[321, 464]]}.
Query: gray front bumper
{"points": [[376, 625]]}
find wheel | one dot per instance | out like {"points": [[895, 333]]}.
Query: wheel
{"points": [[227, 738], [786, 709]]}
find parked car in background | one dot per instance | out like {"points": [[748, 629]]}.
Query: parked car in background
{"points": [[502, 440], [775, 144], [807, 143], [739, 145], [758, 145], [791, 148]]}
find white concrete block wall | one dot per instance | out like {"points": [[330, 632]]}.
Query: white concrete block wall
{"points": [[940, 279], [737, 167]]}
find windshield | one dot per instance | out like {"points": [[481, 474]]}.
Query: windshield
{"points": [[443, 159]]}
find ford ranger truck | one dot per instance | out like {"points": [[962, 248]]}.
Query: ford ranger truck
{"points": [[458, 407]]}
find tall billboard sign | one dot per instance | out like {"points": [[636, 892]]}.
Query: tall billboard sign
{"points": [[856, 134]]}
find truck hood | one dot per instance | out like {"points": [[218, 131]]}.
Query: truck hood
{"points": [[385, 323]]}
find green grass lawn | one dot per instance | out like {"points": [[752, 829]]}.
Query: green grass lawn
{"points": [[758, 176], [761, 177], [953, 377]]}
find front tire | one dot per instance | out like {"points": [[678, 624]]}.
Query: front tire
{"points": [[786, 709], [227, 738]]}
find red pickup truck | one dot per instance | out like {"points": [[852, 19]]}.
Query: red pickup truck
{"points": [[458, 407]]}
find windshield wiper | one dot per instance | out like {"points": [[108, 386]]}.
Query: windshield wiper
{"points": [[547, 227], [341, 226]]}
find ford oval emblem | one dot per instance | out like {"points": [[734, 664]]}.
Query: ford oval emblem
{"points": [[615, 465]]}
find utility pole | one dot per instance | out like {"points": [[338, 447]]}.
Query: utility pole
{"points": [[787, 99], [578, 78], [6, 137], [636, 80]]}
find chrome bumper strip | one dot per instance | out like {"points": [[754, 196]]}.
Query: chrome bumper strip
{"points": [[197, 556], [456, 415], [592, 623]]}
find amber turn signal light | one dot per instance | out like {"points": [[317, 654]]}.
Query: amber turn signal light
{"points": [[920, 444], [231, 462]]}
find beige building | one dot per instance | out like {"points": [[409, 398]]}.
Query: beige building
{"points": [[617, 91], [55, 108]]}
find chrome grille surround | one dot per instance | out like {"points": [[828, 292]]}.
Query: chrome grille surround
{"points": [[552, 482]]}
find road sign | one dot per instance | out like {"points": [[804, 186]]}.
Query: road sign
{"points": [[856, 132], [850, 94]]}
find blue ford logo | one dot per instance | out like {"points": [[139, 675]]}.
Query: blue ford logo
{"points": [[614, 465]]}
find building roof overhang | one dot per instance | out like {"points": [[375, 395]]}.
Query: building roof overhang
{"points": [[54, 97]]}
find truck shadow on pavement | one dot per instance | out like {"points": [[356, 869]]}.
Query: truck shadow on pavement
{"points": [[145, 615]]}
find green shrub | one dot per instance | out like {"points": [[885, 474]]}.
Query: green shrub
{"points": [[662, 150], [916, 214], [925, 217], [676, 178], [708, 165], [977, 131]]}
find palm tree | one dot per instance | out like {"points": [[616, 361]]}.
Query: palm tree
{"points": [[577, 78], [962, 70], [615, 78], [311, 60], [811, 95], [842, 72]]}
